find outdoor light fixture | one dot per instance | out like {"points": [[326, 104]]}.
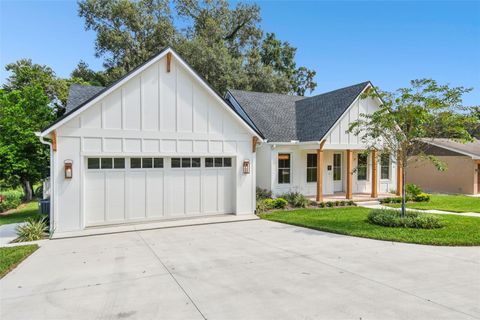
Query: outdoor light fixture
{"points": [[246, 166], [68, 169]]}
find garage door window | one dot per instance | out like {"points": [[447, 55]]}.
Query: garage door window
{"points": [[106, 163], [185, 162], [146, 163], [218, 162]]}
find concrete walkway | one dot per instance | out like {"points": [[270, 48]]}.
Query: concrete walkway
{"points": [[377, 205], [244, 270], [8, 233]]}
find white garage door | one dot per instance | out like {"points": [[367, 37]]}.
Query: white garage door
{"points": [[121, 190]]}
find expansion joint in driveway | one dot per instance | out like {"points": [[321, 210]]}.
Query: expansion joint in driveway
{"points": [[171, 275]]}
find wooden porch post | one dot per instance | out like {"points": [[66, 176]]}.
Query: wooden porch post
{"points": [[320, 172], [374, 175], [399, 177], [349, 174]]}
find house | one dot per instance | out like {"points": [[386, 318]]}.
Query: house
{"points": [[307, 148], [463, 167], [160, 143]]}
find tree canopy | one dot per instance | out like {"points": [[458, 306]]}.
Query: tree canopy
{"points": [[410, 117], [224, 44], [23, 158]]}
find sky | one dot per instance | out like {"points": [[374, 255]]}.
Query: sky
{"points": [[345, 42]]}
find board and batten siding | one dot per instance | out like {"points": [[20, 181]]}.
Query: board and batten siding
{"points": [[155, 113]]}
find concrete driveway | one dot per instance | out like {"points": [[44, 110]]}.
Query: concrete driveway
{"points": [[242, 270]]}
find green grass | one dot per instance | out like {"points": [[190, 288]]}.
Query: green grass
{"points": [[22, 213], [457, 230], [10, 257], [451, 203]]}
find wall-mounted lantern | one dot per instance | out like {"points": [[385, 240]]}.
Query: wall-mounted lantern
{"points": [[68, 169], [246, 166]]}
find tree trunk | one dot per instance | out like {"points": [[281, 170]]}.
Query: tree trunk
{"points": [[404, 196], [27, 188]]}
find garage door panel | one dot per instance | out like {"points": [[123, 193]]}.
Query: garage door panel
{"points": [[155, 191], [115, 196], [210, 187], [193, 191], [176, 192], [136, 195], [225, 191], [95, 195]]}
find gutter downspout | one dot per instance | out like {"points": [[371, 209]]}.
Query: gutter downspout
{"points": [[52, 183]]}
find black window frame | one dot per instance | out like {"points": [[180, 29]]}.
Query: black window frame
{"points": [[383, 166], [311, 167], [363, 168], [284, 171]]}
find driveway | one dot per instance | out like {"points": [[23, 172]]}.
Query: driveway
{"points": [[242, 270]]}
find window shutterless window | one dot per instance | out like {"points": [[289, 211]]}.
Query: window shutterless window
{"points": [[196, 163], [362, 166], [337, 167], [93, 163], [146, 163], [283, 168], [208, 162], [158, 162], [311, 167], [135, 163], [385, 166], [119, 163]]}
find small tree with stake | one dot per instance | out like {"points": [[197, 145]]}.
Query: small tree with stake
{"points": [[409, 117]]}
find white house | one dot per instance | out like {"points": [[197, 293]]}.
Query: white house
{"points": [[160, 143], [303, 134]]}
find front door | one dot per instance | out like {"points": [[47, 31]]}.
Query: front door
{"points": [[337, 172]]}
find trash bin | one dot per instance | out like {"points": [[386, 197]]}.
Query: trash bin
{"points": [[44, 205]]}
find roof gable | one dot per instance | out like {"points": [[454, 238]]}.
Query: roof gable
{"points": [[286, 118], [88, 96]]}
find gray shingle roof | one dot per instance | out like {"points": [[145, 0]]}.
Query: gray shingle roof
{"points": [[78, 94], [471, 149], [283, 118]]}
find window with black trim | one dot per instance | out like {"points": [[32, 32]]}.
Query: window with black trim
{"points": [[106, 163], [311, 167], [283, 168], [362, 167], [186, 163], [146, 163], [218, 162], [385, 166]]}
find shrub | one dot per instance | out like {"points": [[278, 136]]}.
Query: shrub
{"points": [[321, 204], [329, 204], [279, 203], [263, 193], [10, 199], [296, 199], [422, 197], [412, 219], [351, 203], [412, 190], [33, 229], [391, 200]]}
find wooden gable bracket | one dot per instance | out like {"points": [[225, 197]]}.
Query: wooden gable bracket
{"points": [[254, 144], [54, 140], [169, 61]]}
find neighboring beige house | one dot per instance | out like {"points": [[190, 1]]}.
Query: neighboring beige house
{"points": [[462, 175]]}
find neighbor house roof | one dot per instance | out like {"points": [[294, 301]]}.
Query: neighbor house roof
{"points": [[286, 118], [78, 94], [471, 149]]}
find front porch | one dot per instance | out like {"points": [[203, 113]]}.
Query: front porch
{"points": [[356, 197]]}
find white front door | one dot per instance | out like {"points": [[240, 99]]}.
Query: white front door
{"points": [[337, 172]]}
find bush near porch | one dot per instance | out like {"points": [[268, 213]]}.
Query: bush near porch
{"points": [[456, 230]]}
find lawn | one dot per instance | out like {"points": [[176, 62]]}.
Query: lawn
{"points": [[458, 230], [447, 203], [20, 214], [10, 257]]}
